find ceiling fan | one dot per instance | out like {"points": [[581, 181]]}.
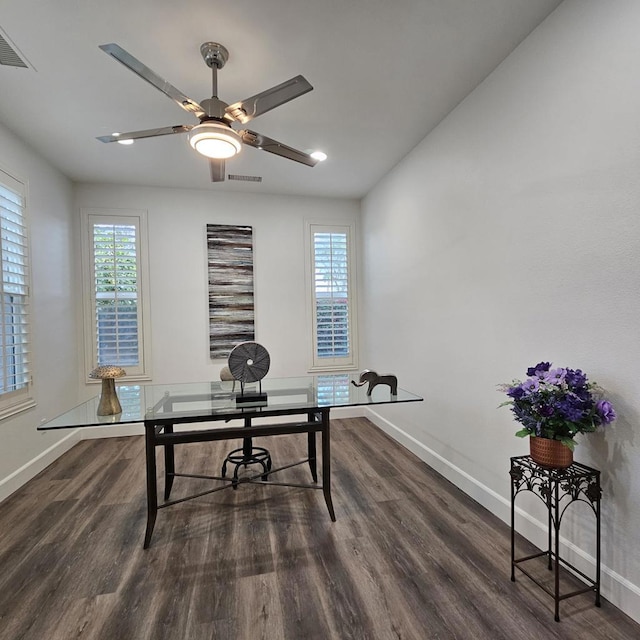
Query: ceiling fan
{"points": [[214, 137]]}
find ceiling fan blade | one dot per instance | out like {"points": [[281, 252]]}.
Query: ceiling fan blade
{"points": [[259, 141], [217, 170], [152, 78], [147, 133], [254, 106]]}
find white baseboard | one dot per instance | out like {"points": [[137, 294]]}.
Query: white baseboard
{"points": [[32, 468], [112, 431], [348, 412], [615, 588]]}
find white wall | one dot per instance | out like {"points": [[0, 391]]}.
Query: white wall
{"points": [[511, 235], [177, 222], [23, 450]]}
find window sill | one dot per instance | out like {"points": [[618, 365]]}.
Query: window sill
{"points": [[12, 410], [336, 368]]}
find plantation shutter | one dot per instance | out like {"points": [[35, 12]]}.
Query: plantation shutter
{"points": [[331, 294], [116, 291], [15, 374], [332, 297]]}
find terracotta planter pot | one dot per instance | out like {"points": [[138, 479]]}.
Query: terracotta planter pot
{"points": [[551, 454]]}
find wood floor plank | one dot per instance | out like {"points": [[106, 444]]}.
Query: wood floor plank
{"points": [[258, 609], [410, 557]]}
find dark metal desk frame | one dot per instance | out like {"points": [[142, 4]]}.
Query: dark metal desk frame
{"points": [[159, 432], [557, 488]]}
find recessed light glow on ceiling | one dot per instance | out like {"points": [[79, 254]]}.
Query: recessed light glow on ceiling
{"points": [[321, 156]]}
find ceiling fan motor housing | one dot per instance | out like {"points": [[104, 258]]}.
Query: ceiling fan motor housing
{"points": [[214, 54], [214, 109]]}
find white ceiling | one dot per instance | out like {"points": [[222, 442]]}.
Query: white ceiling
{"points": [[384, 72]]}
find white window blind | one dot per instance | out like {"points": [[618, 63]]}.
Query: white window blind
{"points": [[115, 289], [332, 297], [15, 373]]}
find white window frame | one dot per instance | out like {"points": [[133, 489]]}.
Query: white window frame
{"points": [[137, 218], [18, 400], [346, 363]]}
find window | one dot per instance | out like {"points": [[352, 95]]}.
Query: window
{"points": [[115, 290], [15, 366], [333, 295]]}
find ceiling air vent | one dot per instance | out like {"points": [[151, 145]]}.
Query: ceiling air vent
{"points": [[232, 176], [8, 55]]}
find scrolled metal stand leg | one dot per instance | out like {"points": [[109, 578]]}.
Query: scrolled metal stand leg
{"points": [[598, 549], [549, 526], [556, 528], [152, 489], [513, 529]]}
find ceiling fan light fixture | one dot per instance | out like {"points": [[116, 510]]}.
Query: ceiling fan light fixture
{"points": [[320, 156], [215, 140]]}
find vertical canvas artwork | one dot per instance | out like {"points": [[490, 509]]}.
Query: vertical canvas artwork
{"points": [[230, 268]]}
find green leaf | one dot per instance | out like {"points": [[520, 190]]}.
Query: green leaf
{"points": [[568, 442], [523, 433]]}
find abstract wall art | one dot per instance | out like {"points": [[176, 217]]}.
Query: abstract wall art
{"points": [[230, 269]]}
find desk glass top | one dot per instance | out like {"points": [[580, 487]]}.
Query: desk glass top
{"points": [[194, 401]]}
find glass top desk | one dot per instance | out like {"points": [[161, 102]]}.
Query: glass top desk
{"points": [[162, 406]]}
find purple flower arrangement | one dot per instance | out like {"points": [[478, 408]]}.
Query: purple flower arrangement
{"points": [[557, 404]]}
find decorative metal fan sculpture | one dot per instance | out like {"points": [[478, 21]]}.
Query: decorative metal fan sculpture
{"points": [[249, 362], [214, 137]]}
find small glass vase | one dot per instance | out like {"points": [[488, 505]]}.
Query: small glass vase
{"points": [[551, 454]]}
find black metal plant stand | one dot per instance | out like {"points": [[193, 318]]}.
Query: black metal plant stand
{"points": [[557, 488]]}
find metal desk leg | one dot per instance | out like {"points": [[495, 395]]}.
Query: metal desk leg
{"points": [[152, 489], [311, 449], [326, 464], [169, 464]]}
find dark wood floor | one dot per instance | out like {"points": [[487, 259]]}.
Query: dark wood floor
{"points": [[409, 557]]}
